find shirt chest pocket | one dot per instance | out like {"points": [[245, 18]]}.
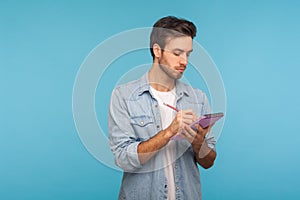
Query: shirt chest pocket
{"points": [[143, 126]]}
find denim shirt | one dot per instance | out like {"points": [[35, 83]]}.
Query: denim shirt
{"points": [[134, 117]]}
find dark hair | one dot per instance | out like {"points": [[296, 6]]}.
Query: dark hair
{"points": [[170, 27]]}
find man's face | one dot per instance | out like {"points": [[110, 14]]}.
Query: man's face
{"points": [[174, 57]]}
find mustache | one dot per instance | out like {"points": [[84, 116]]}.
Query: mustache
{"points": [[180, 67]]}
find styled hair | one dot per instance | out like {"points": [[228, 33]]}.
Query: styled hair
{"points": [[170, 27]]}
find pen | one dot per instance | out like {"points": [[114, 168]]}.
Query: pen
{"points": [[171, 107]]}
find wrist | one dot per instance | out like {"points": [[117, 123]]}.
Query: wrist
{"points": [[197, 147], [167, 133], [204, 150]]}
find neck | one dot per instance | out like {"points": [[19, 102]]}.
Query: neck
{"points": [[159, 80]]}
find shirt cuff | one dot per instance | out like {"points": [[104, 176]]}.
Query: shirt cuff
{"points": [[132, 154]]}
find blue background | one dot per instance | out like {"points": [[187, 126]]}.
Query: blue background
{"points": [[255, 45]]}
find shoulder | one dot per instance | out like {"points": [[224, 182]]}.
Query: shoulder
{"points": [[130, 89]]}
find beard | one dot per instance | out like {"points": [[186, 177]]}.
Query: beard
{"points": [[169, 71]]}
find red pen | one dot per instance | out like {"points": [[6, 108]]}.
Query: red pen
{"points": [[171, 107]]}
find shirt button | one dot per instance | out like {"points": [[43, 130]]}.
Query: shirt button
{"points": [[156, 106], [142, 122], [157, 126], [177, 187]]}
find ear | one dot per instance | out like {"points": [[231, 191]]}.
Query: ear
{"points": [[157, 50]]}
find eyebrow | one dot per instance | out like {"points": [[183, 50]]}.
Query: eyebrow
{"points": [[181, 50]]}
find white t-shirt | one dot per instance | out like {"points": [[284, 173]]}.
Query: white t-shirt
{"points": [[167, 115]]}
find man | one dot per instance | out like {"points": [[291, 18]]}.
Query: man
{"points": [[152, 143]]}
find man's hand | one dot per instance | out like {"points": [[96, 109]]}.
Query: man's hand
{"points": [[183, 118], [203, 154], [196, 138], [150, 147]]}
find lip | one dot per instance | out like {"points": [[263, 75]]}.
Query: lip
{"points": [[181, 70]]}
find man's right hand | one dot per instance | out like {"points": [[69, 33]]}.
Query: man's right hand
{"points": [[182, 119], [150, 147]]}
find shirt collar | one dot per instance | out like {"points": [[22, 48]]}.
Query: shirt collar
{"points": [[144, 84]]}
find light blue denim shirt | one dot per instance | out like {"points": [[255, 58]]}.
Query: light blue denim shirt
{"points": [[134, 117]]}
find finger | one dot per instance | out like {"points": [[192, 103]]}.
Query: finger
{"points": [[200, 130], [187, 118], [184, 116], [189, 133], [185, 135], [198, 137], [187, 115], [187, 121], [190, 115], [195, 117], [203, 131], [207, 129], [187, 111]]}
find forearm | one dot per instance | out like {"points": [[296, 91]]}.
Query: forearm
{"points": [[205, 156], [149, 148]]}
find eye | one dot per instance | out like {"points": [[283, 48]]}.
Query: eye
{"points": [[177, 53]]}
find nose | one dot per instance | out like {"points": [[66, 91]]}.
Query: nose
{"points": [[184, 59]]}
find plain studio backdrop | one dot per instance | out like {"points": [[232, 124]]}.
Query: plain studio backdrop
{"points": [[254, 44]]}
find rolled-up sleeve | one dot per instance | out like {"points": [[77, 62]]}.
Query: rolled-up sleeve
{"points": [[123, 142]]}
